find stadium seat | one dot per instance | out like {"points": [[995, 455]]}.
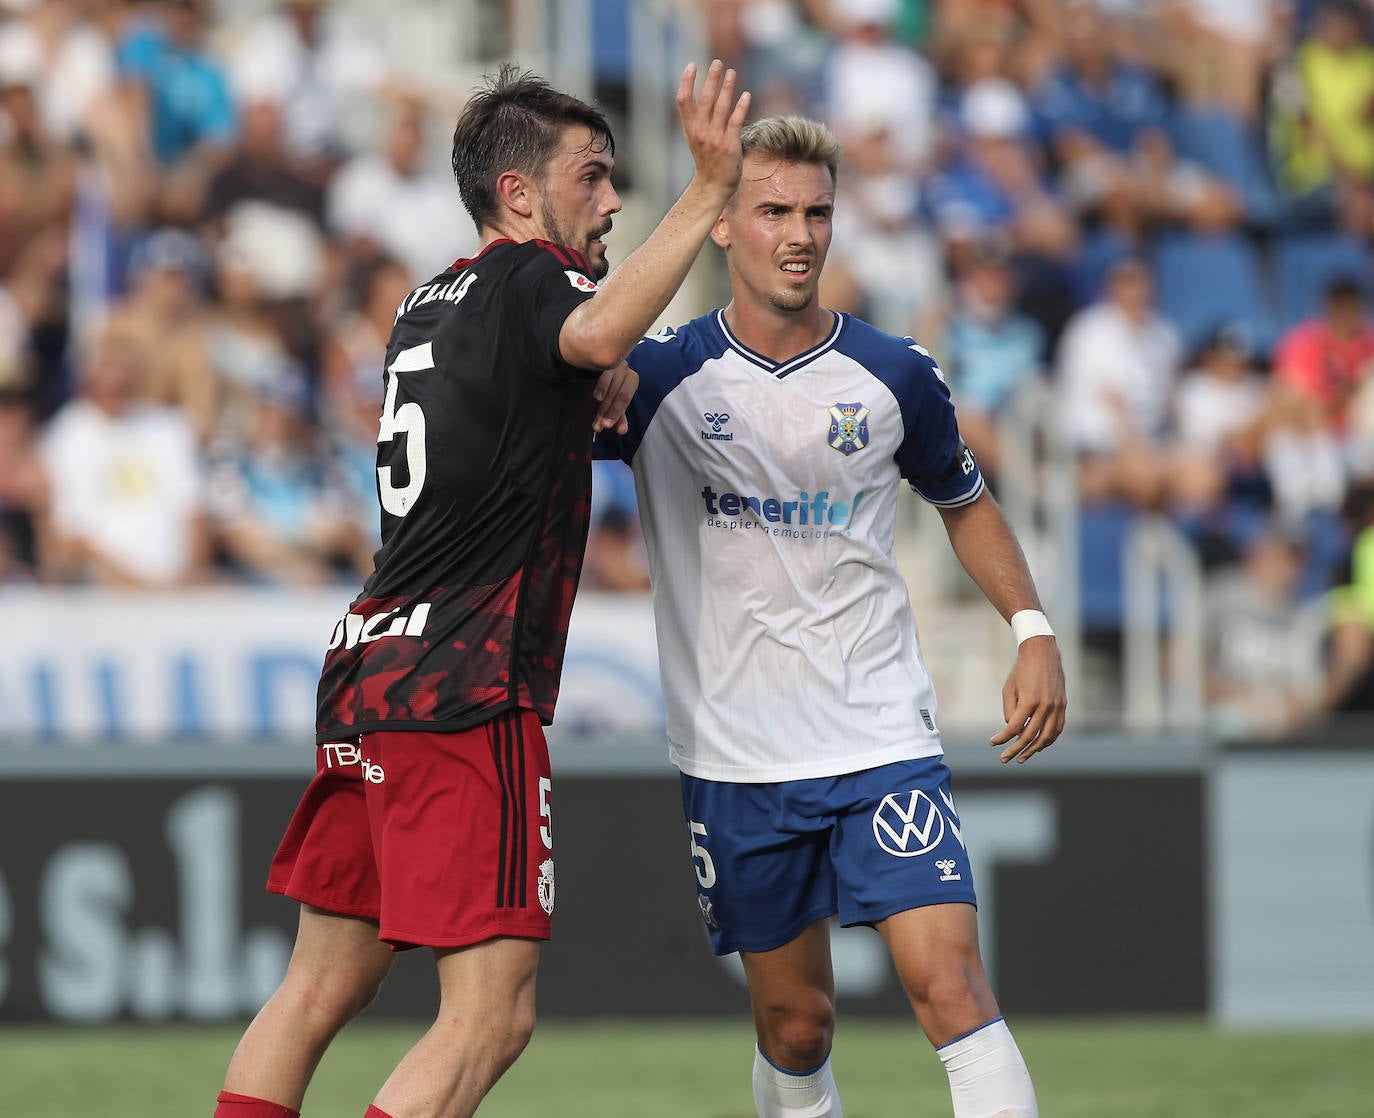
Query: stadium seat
{"points": [[1101, 250], [1304, 263], [1222, 145], [1204, 281], [1102, 534]]}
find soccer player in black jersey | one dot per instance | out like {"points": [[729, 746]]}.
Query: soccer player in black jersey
{"points": [[429, 821]]}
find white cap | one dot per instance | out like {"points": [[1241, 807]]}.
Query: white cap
{"points": [[280, 247], [993, 108], [21, 55], [853, 13]]}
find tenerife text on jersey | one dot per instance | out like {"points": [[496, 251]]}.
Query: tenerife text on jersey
{"points": [[803, 510]]}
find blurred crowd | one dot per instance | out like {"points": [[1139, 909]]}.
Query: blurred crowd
{"points": [[1154, 218], [205, 229], [1156, 215]]}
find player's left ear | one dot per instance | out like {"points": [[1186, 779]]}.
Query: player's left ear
{"points": [[516, 193], [720, 232]]}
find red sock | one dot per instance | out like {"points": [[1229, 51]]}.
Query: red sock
{"points": [[244, 1106], [373, 1112]]}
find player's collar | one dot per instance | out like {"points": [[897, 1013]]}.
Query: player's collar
{"points": [[780, 369]]}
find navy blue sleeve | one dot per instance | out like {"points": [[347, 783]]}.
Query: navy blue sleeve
{"points": [[932, 457]]}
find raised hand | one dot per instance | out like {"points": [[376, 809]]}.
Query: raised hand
{"points": [[711, 123]]}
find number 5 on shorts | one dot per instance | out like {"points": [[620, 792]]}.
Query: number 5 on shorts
{"points": [[545, 812], [706, 871]]}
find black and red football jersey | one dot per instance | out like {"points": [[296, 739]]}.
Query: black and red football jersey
{"points": [[484, 477]]}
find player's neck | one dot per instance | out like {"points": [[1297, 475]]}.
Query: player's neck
{"points": [[779, 335], [513, 228]]}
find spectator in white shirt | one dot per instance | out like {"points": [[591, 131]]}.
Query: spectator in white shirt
{"points": [[125, 483], [393, 203], [1117, 365]]}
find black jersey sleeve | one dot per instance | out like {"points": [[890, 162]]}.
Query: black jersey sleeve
{"points": [[553, 281]]}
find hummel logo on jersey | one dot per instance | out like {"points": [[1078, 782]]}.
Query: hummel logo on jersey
{"points": [[848, 428], [717, 420], [908, 824], [354, 629], [947, 866]]}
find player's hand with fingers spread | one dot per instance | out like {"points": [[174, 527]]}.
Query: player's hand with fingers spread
{"points": [[1033, 701], [711, 125], [613, 391]]}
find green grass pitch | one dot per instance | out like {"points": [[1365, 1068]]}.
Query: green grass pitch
{"points": [[1125, 1068]]}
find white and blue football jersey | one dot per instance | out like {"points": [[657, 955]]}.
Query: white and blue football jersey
{"points": [[768, 494]]}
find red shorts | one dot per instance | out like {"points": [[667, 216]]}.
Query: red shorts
{"points": [[443, 838]]}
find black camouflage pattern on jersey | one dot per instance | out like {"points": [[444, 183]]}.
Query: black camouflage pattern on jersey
{"points": [[493, 543]]}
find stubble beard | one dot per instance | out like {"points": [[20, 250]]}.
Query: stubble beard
{"points": [[560, 236], [795, 300]]}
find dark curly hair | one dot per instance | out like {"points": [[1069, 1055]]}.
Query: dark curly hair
{"points": [[515, 123]]}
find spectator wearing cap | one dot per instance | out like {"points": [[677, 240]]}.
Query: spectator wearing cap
{"points": [[125, 483], [262, 268], [1116, 367], [995, 187], [164, 318], [280, 515]]}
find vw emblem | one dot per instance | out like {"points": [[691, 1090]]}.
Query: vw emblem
{"points": [[907, 824]]}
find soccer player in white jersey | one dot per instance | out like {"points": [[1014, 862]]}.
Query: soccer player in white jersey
{"points": [[769, 442]]}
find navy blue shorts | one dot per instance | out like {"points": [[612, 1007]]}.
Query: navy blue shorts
{"points": [[771, 859]]}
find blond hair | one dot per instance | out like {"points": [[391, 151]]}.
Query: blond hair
{"points": [[792, 139]]}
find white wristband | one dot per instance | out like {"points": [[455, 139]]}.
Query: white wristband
{"points": [[1027, 623]]}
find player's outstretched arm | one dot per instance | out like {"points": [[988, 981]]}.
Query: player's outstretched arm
{"points": [[1033, 699], [600, 333]]}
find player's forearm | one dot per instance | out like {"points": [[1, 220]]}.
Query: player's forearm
{"points": [[988, 550], [601, 332]]}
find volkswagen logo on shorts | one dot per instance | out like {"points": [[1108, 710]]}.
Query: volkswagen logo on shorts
{"points": [[908, 823]]}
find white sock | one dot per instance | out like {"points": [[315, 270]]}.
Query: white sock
{"points": [[786, 1094], [987, 1077]]}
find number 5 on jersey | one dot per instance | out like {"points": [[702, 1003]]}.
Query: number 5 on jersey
{"points": [[706, 871], [408, 420]]}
